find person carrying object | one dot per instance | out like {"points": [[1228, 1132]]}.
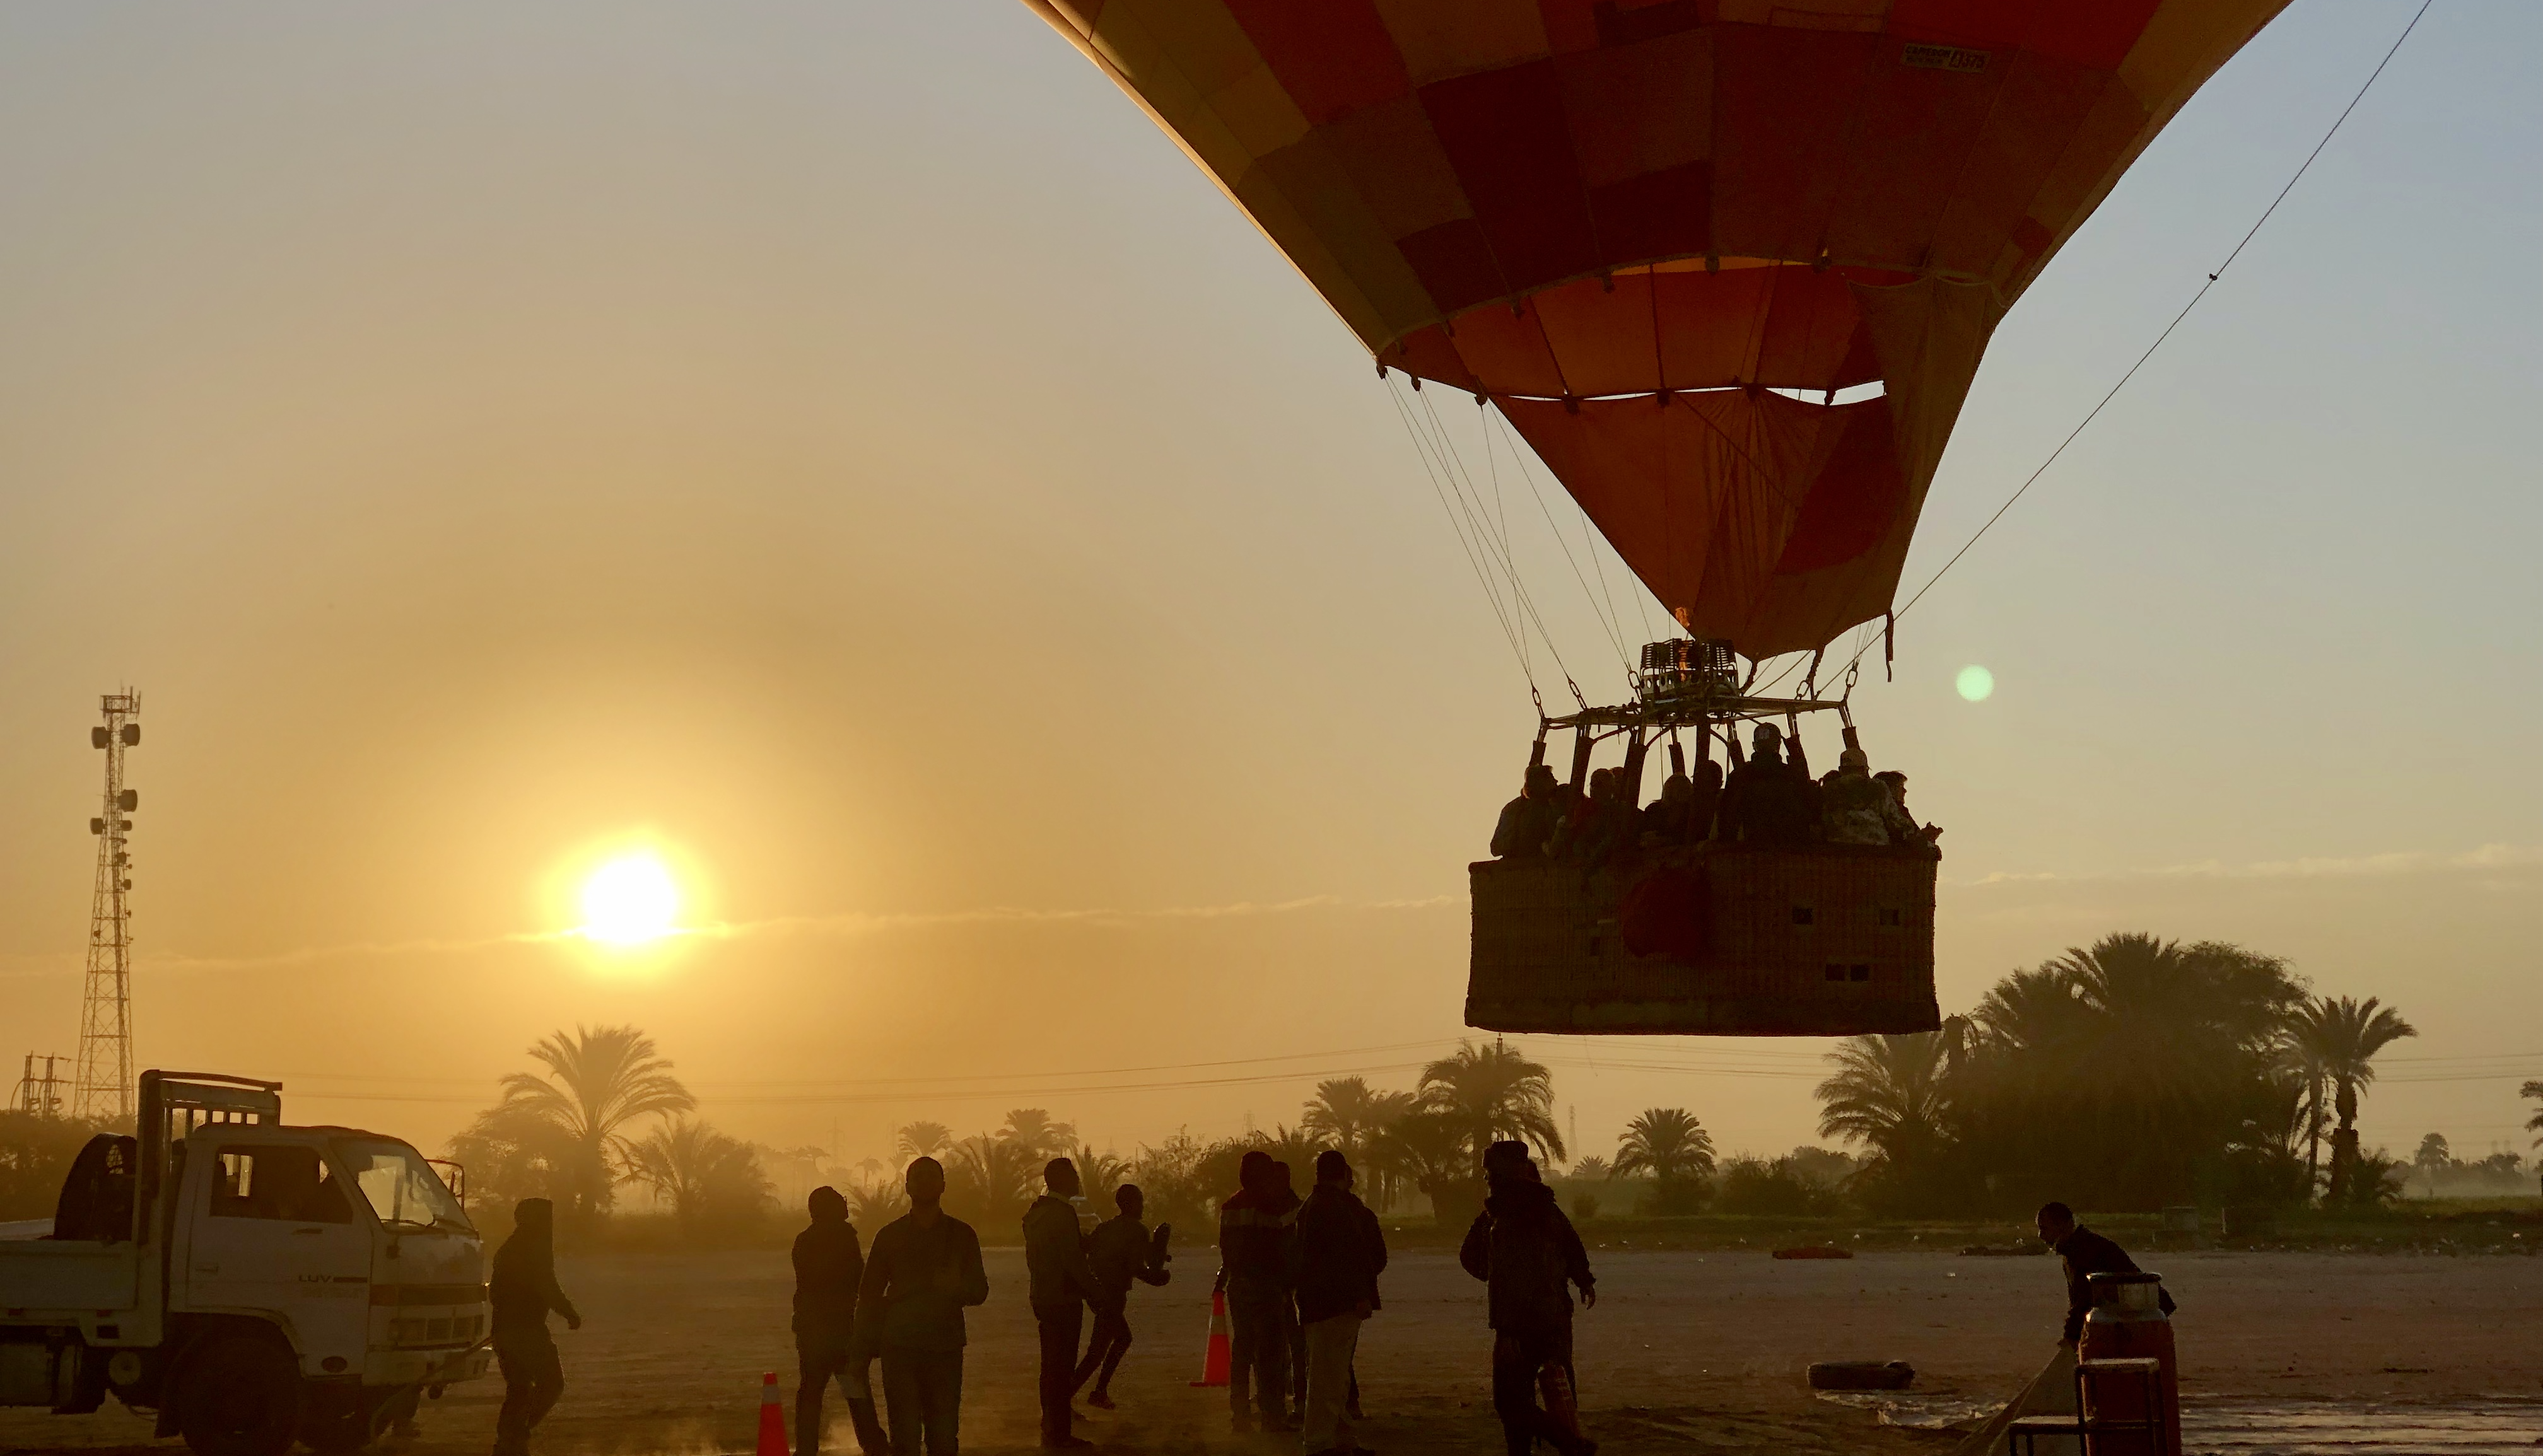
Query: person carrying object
{"points": [[1121, 1252], [1530, 1258]]}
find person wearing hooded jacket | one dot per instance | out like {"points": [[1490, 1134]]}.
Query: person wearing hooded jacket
{"points": [[1526, 1253], [828, 1266], [522, 1288], [1335, 1261]]}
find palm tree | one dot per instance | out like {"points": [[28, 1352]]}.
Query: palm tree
{"points": [[1100, 1172], [703, 1173], [2533, 1091], [1031, 1130], [1668, 1143], [2344, 1036], [1894, 1091], [922, 1140], [874, 1203], [2117, 1070], [598, 1080], [1491, 1093], [991, 1179], [1432, 1151], [1593, 1169], [2299, 1063], [1348, 1113]]}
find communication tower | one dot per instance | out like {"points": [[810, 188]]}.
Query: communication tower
{"points": [[103, 1085]]}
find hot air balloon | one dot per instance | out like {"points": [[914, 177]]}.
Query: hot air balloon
{"points": [[1661, 236]]}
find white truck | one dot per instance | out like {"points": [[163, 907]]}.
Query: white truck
{"points": [[247, 1283]]}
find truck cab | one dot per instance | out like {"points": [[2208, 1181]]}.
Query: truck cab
{"points": [[249, 1282]]}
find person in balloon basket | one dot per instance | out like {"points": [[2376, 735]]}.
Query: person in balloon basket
{"points": [[924, 1271], [1063, 1285], [1530, 1258], [1769, 799], [522, 1288], [1253, 1233], [1527, 821], [1904, 831], [2084, 1254], [829, 1265], [1337, 1257], [1121, 1252], [1593, 828]]}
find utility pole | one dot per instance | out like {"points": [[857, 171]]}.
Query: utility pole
{"points": [[103, 1085], [39, 1095]]}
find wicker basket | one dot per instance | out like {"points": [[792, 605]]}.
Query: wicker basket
{"points": [[1827, 941]]}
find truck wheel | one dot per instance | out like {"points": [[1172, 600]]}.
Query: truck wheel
{"points": [[348, 1424], [240, 1397]]}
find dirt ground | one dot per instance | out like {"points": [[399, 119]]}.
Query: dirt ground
{"points": [[1686, 1351]]}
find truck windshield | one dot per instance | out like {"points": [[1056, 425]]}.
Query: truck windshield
{"points": [[401, 1190]]}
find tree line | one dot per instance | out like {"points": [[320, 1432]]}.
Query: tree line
{"points": [[2132, 1074]]}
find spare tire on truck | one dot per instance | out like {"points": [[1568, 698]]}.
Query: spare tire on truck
{"points": [[239, 1396]]}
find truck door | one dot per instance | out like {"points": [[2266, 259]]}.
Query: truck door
{"points": [[275, 1235]]}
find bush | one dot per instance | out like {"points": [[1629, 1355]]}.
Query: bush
{"points": [[1584, 1206], [2375, 1180], [1778, 1189], [1676, 1195]]}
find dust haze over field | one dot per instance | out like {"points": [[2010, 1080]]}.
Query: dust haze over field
{"points": [[851, 454]]}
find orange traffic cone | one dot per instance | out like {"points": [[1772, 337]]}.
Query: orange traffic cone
{"points": [[772, 1419], [1213, 1359]]}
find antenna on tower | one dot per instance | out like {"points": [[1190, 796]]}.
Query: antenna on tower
{"points": [[102, 1086]]}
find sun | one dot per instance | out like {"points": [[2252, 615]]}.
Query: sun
{"points": [[630, 900]]}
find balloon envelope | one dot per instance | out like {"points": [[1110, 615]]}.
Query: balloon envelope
{"points": [[1632, 222]]}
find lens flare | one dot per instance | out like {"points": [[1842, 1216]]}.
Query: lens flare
{"points": [[1975, 683], [630, 900]]}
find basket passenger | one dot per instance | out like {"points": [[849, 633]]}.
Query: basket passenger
{"points": [[1769, 800], [1854, 807], [1905, 832], [1665, 818], [1527, 821]]}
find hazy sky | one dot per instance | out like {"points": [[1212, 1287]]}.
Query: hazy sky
{"points": [[847, 446]]}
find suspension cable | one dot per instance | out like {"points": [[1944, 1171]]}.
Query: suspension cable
{"points": [[2195, 300]]}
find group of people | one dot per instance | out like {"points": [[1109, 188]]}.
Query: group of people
{"points": [[1300, 1276], [1769, 798]]}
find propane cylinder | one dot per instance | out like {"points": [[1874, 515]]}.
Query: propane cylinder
{"points": [[2126, 1322]]}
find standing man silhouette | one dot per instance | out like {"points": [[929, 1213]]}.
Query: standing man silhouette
{"points": [[828, 1266], [1062, 1287], [924, 1272], [1340, 1253]]}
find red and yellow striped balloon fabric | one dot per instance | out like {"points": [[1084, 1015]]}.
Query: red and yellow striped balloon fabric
{"points": [[1660, 234]]}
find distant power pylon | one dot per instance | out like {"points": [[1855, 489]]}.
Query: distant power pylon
{"points": [[103, 1085], [39, 1093]]}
